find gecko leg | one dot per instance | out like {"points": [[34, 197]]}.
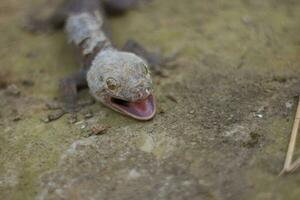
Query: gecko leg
{"points": [[69, 87], [154, 59], [116, 7]]}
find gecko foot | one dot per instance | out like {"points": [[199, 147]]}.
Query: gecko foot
{"points": [[155, 60], [53, 116], [59, 110]]}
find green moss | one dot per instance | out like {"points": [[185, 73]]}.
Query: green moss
{"points": [[262, 35]]}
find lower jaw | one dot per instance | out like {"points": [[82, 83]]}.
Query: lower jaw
{"points": [[134, 116], [147, 115]]}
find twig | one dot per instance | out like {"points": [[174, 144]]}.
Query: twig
{"points": [[288, 165]]}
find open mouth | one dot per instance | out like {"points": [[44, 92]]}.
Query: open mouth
{"points": [[142, 110]]}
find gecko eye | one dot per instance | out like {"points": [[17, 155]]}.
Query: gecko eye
{"points": [[145, 69], [111, 83]]}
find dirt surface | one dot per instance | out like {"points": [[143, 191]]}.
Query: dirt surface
{"points": [[224, 112]]}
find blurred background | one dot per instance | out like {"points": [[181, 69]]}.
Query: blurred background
{"points": [[225, 111]]}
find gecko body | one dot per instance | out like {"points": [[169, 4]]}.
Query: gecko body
{"points": [[120, 79]]}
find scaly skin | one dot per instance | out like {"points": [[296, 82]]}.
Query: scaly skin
{"points": [[119, 79]]}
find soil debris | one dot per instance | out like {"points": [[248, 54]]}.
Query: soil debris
{"points": [[27, 83], [13, 90], [172, 98]]}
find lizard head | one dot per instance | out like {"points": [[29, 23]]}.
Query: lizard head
{"points": [[122, 81]]}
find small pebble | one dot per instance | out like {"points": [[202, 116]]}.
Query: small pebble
{"points": [[13, 90], [17, 118], [45, 119], [98, 129], [88, 115], [83, 126], [259, 115], [288, 105], [161, 111], [247, 19], [79, 123]]}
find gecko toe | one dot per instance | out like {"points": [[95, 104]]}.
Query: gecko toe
{"points": [[72, 118], [54, 105], [53, 116]]}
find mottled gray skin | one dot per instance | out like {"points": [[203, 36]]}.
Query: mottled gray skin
{"points": [[86, 30], [108, 72], [129, 73]]}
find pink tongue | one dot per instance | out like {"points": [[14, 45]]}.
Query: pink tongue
{"points": [[144, 109], [141, 106]]}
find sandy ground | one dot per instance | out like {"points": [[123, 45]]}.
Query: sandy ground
{"points": [[224, 112]]}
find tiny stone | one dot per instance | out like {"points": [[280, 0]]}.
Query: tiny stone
{"points": [[186, 183], [259, 115], [161, 111], [83, 126], [192, 112], [98, 130], [133, 174], [45, 119], [88, 115], [13, 90], [17, 118], [79, 122], [288, 105], [247, 19]]}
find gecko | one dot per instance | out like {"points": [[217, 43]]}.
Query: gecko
{"points": [[119, 79]]}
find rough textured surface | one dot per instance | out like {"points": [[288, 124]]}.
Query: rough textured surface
{"points": [[82, 27], [225, 112]]}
